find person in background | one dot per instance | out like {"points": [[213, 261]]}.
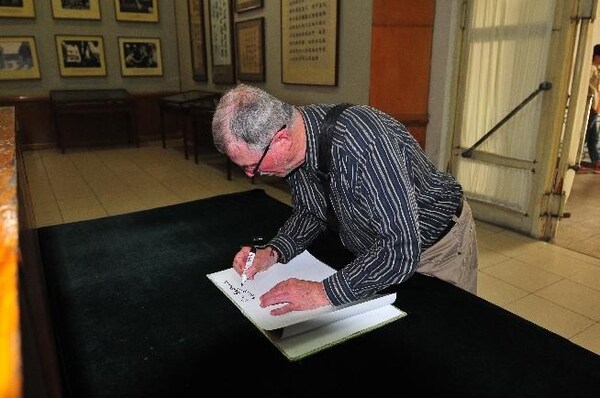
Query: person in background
{"points": [[395, 211], [591, 133]]}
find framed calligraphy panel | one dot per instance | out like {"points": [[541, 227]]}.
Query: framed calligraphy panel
{"points": [[250, 49], [309, 41], [197, 42], [221, 32]]}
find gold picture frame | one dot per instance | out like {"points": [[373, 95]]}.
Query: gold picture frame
{"points": [[221, 38], [80, 56], [18, 58], [250, 49], [25, 10], [84, 10], [140, 56], [312, 62], [136, 10], [247, 5], [197, 40]]}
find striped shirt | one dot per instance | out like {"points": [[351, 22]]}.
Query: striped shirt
{"points": [[391, 201]]}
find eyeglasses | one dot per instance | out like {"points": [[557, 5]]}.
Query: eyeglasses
{"points": [[255, 171]]}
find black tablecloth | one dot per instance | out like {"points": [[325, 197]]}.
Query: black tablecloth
{"points": [[136, 316]]}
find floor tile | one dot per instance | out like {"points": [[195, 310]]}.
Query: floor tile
{"points": [[574, 296], [550, 315], [496, 291], [589, 338], [522, 275]]}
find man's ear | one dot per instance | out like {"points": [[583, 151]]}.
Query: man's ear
{"points": [[283, 137]]}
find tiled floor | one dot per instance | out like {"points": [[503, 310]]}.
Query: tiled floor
{"points": [[548, 284]]}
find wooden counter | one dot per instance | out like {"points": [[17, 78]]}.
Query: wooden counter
{"points": [[10, 336]]}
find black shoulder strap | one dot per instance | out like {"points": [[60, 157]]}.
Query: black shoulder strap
{"points": [[327, 129]]}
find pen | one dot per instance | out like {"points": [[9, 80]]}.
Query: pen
{"points": [[250, 259]]}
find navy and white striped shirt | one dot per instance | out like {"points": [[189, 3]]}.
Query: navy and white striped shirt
{"points": [[391, 201]]}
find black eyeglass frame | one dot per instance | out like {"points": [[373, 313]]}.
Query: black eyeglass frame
{"points": [[262, 157]]}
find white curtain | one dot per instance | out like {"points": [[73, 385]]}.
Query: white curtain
{"points": [[508, 44]]}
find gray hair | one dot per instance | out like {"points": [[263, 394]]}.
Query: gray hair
{"points": [[248, 114]]}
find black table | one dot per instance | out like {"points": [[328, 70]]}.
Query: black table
{"points": [[136, 316], [181, 105], [109, 102]]}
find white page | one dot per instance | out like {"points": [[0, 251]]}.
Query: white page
{"points": [[304, 266]]}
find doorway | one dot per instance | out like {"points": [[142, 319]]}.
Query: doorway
{"points": [[515, 77]]}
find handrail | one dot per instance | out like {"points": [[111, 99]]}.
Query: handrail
{"points": [[544, 86]]}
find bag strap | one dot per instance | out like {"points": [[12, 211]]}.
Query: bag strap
{"points": [[325, 137], [327, 129]]}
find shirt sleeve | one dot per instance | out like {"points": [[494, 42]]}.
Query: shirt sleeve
{"points": [[306, 221]]}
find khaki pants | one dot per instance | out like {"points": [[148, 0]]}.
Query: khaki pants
{"points": [[454, 258]]}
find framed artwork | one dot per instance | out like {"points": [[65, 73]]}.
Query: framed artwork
{"points": [[313, 61], [247, 5], [221, 34], [18, 58], [140, 56], [136, 10], [76, 9], [80, 55], [17, 9], [250, 49], [197, 41]]}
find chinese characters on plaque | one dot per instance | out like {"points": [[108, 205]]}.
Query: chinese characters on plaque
{"points": [[309, 41]]}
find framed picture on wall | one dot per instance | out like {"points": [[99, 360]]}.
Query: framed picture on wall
{"points": [[247, 5], [221, 38], [140, 56], [250, 49], [17, 9], [76, 9], [197, 41], [80, 55], [136, 10], [18, 58], [313, 61]]}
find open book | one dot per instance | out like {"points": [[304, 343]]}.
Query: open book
{"points": [[300, 333]]}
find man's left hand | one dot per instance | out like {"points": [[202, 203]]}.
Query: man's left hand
{"points": [[295, 295]]}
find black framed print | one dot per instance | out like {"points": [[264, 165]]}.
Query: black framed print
{"points": [[80, 55], [140, 56], [76, 9], [18, 58], [136, 10]]}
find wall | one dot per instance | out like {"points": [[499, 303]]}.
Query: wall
{"points": [[44, 27], [172, 28], [354, 43]]}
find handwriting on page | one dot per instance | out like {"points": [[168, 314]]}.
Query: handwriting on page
{"points": [[243, 294]]}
